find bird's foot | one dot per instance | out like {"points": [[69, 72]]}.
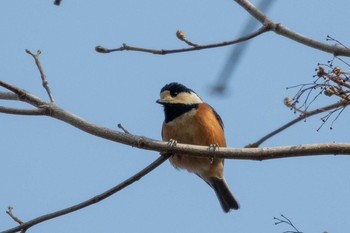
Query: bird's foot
{"points": [[172, 143], [213, 148]]}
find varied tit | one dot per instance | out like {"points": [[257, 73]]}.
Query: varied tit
{"points": [[191, 121]]}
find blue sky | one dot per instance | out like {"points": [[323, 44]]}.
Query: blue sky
{"points": [[47, 165]]}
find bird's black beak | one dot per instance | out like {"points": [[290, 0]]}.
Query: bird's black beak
{"points": [[161, 101]]}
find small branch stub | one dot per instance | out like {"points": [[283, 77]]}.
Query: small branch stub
{"points": [[180, 34], [120, 126], [45, 83], [10, 213]]}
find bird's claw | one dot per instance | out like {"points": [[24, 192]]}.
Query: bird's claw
{"points": [[172, 143], [213, 148]]}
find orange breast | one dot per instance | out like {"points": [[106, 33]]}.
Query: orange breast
{"points": [[199, 127]]}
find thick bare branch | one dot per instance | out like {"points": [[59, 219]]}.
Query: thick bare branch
{"points": [[278, 28], [91, 201], [194, 47], [160, 146]]}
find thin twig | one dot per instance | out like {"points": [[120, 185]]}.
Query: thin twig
{"points": [[333, 39], [92, 200], [22, 111], [340, 112], [325, 118], [10, 213], [120, 126], [289, 103], [194, 47], [328, 83], [342, 60], [45, 83], [288, 222], [180, 34], [299, 118]]}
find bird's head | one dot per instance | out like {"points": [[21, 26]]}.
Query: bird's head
{"points": [[176, 93]]}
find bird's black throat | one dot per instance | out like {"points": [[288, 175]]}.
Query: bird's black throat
{"points": [[172, 111]]}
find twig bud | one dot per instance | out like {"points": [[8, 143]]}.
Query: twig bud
{"points": [[330, 91], [320, 71], [288, 102], [181, 35], [337, 71], [101, 49]]}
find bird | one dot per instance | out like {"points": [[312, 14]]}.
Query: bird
{"points": [[189, 120]]}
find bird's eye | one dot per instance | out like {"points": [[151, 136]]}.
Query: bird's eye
{"points": [[174, 93]]}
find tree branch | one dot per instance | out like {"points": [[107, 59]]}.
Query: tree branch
{"points": [[23, 95], [8, 96], [10, 213], [268, 25], [303, 116], [160, 146], [22, 111], [93, 200], [278, 28], [194, 47], [287, 221], [45, 83]]}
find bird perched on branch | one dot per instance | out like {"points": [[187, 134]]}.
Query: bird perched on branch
{"points": [[191, 121]]}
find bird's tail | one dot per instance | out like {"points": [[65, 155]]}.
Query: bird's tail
{"points": [[222, 191]]}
